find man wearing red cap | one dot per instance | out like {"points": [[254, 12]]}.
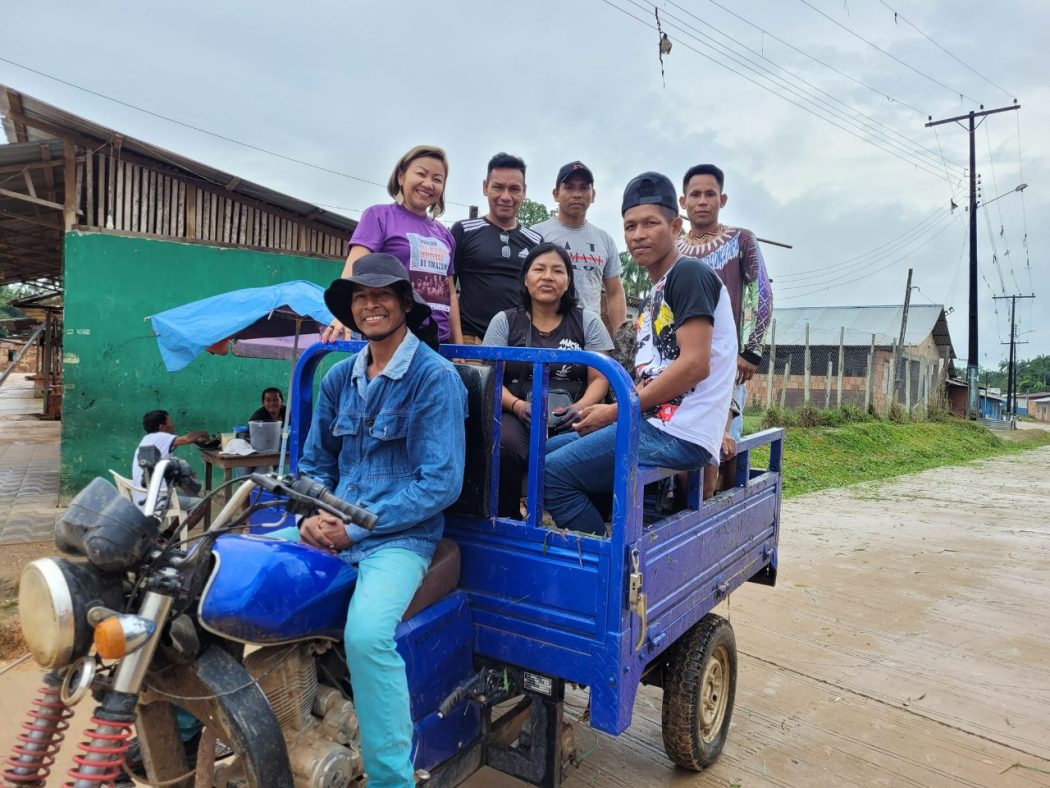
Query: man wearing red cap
{"points": [[595, 261]]}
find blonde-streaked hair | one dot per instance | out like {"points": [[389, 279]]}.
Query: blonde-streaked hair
{"points": [[393, 188]]}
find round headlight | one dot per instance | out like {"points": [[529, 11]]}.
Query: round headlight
{"points": [[54, 596]]}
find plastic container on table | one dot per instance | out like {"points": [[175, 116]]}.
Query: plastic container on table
{"points": [[265, 436]]}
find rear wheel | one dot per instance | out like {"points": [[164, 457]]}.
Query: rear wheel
{"points": [[699, 687]]}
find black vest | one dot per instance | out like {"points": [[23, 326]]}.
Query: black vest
{"points": [[570, 378]]}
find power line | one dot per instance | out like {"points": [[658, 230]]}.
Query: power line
{"points": [[875, 46], [216, 135], [839, 276], [1024, 219], [862, 259], [958, 269], [897, 15], [952, 185], [995, 249], [887, 96], [916, 148], [780, 95], [999, 208], [834, 284]]}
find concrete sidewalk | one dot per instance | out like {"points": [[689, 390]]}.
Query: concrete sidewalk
{"points": [[29, 465]]}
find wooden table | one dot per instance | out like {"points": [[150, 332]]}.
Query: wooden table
{"points": [[213, 457]]}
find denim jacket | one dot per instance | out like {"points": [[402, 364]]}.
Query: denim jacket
{"points": [[394, 445]]}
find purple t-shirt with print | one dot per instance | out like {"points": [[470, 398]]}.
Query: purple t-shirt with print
{"points": [[424, 246]]}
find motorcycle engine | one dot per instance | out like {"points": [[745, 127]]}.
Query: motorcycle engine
{"points": [[319, 724]]}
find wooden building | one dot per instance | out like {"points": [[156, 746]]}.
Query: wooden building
{"points": [[61, 172]]}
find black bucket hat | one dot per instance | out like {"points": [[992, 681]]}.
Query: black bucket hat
{"points": [[374, 270]]}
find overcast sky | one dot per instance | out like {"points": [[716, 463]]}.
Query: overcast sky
{"points": [[351, 86]]}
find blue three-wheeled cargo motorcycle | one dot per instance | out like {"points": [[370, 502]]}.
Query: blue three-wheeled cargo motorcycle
{"points": [[244, 632]]}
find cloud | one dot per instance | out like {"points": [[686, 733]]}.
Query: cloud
{"points": [[352, 86]]}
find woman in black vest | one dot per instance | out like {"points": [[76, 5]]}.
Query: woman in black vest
{"points": [[547, 318]]}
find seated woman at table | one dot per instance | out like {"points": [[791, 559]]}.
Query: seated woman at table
{"points": [[547, 318], [272, 406]]}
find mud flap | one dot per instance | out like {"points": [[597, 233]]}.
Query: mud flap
{"points": [[235, 709]]}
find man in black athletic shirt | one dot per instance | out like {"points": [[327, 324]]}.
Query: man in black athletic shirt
{"points": [[490, 250]]}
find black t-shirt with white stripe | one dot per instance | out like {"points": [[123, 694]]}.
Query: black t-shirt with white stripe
{"points": [[488, 267]]}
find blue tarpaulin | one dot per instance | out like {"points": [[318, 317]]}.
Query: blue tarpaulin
{"points": [[256, 312]]}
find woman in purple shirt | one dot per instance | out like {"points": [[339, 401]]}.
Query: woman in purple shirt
{"points": [[409, 229]]}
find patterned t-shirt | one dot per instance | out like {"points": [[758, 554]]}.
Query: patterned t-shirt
{"points": [[423, 245], [689, 290], [593, 254], [733, 254]]}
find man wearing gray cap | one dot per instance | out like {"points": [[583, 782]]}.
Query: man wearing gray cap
{"points": [[685, 365], [595, 261]]}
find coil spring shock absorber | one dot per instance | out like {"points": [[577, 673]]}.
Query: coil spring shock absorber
{"points": [[102, 758], [33, 754]]}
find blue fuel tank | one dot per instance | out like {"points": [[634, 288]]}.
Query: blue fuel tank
{"points": [[271, 591]]}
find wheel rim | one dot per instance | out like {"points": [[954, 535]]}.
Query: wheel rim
{"points": [[714, 694]]}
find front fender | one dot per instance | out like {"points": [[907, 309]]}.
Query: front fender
{"points": [[235, 708]]}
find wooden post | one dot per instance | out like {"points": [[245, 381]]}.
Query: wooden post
{"points": [[870, 382], [907, 382], [806, 380], [772, 363], [191, 211], [842, 361], [89, 189], [784, 387], [827, 387], [69, 210]]}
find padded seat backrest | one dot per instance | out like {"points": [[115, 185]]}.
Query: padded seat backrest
{"points": [[474, 500], [440, 580]]}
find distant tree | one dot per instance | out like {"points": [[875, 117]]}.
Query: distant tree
{"points": [[1032, 375], [635, 280], [532, 212], [9, 293]]}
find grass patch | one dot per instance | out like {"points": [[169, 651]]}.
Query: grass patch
{"points": [[816, 458]]}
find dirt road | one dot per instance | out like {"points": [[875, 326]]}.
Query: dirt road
{"points": [[907, 643]]}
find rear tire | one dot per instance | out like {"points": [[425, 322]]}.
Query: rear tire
{"points": [[699, 688]]}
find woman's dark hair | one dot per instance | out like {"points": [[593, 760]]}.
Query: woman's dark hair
{"points": [[393, 188], [568, 298], [271, 390], [154, 420]]}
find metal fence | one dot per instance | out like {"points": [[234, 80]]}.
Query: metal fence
{"points": [[831, 369]]}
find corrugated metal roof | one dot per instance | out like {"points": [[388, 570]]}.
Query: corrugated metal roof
{"points": [[860, 323], [76, 126], [20, 153]]}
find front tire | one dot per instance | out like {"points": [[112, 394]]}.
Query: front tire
{"points": [[699, 688]]}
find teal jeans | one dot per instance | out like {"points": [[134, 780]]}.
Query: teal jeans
{"points": [[387, 579]]}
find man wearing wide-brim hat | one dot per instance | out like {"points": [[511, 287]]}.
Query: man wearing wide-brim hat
{"points": [[382, 437]]}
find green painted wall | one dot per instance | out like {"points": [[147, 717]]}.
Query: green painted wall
{"points": [[113, 369]]}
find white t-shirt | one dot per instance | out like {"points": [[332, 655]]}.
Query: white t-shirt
{"points": [[593, 254], [164, 441], [690, 289]]}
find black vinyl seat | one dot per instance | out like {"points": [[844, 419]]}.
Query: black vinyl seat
{"points": [[474, 500]]}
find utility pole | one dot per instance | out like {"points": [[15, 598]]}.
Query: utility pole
{"points": [[1011, 368], [904, 326], [971, 359]]}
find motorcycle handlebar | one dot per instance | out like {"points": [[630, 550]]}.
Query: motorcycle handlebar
{"points": [[304, 490]]}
